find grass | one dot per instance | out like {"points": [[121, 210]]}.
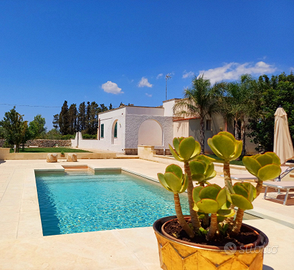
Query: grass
{"points": [[49, 150], [234, 162]]}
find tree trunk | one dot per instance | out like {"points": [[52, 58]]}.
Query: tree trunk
{"points": [[243, 137], [213, 226], [202, 135], [238, 222], [194, 216], [180, 216]]}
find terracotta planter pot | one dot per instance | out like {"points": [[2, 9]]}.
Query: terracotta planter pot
{"points": [[177, 255]]}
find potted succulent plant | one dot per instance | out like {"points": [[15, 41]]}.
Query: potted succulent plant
{"points": [[213, 235], [62, 154]]}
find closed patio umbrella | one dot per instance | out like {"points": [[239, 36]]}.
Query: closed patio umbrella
{"points": [[283, 146]]}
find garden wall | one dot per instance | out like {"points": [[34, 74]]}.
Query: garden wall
{"points": [[43, 143]]}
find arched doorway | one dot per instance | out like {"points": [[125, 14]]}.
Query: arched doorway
{"points": [[150, 133], [114, 132]]}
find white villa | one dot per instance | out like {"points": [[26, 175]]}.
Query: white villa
{"points": [[123, 129]]}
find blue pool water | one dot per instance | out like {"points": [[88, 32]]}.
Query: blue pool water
{"points": [[83, 202]]}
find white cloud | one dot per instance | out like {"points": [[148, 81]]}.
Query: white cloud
{"points": [[148, 95], [233, 71], [188, 74], [111, 87], [144, 83], [159, 75]]}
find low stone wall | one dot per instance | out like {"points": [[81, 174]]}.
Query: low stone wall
{"points": [[43, 143], [47, 143]]}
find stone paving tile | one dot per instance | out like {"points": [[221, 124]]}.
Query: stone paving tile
{"points": [[23, 246]]}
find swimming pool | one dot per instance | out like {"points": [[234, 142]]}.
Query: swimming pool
{"points": [[83, 202]]}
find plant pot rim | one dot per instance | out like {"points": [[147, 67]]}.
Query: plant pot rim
{"points": [[159, 223]]}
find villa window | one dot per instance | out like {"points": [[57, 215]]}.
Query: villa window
{"points": [[115, 131], [102, 130], [208, 124]]}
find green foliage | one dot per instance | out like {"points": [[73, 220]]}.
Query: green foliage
{"points": [[67, 137], [84, 118], [244, 194], [50, 150], [225, 146], [198, 101], [209, 199], [186, 149], [16, 129], [89, 136], [2, 133], [37, 127], [263, 166], [53, 134], [173, 179], [269, 94], [202, 169]]}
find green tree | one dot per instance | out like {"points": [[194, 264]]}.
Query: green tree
{"points": [[269, 94], [237, 104], [15, 128], [199, 101], [82, 116], [53, 134], [73, 118], [93, 118], [37, 126], [55, 121], [64, 119]]}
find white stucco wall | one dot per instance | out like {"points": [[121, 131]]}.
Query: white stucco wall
{"points": [[108, 119], [168, 106], [150, 133], [133, 123], [181, 128], [145, 110]]}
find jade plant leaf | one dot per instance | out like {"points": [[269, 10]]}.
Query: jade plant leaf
{"points": [[241, 202], [252, 165], [197, 167], [263, 166], [226, 212], [269, 172], [187, 148], [208, 206], [275, 158], [176, 143], [177, 170], [225, 146], [240, 190], [173, 182], [195, 193], [210, 191], [175, 155], [162, 181], [264, 160], [198, 177], [221, 197]]}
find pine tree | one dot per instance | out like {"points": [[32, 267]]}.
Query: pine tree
{"points": [[73, 118], [82, 116], [64, 119]]}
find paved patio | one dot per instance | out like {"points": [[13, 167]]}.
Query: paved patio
{"points": [[22, 245]]}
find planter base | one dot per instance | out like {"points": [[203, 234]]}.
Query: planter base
{"points": [[175, 256]]}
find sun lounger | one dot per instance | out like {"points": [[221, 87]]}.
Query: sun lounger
{"points": [[278, 185], [249, 176]]}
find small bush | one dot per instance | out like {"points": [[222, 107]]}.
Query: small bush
{"points": [[88, 136]]}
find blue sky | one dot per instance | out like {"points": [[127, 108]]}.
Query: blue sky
{"points": [[120, 51]]}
